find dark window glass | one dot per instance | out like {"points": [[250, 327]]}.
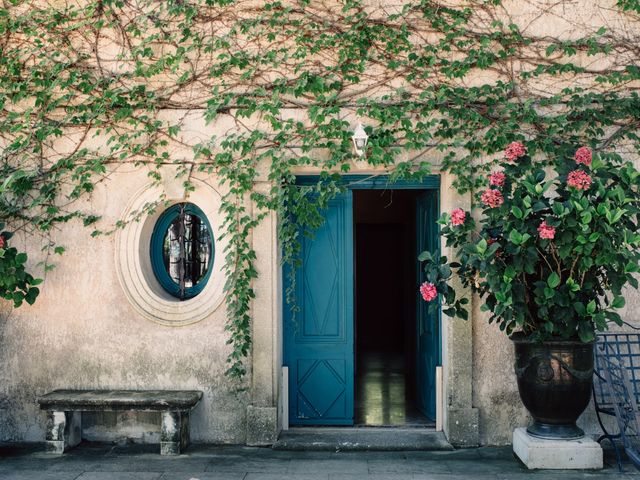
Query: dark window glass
{"points": [[182, 250]]}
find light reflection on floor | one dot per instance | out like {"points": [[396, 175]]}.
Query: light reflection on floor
{"points": [[381, 392]]}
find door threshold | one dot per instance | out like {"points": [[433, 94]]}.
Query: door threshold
{"points": [[362, 439], [430, 425]]}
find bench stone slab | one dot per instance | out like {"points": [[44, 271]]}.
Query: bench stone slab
{"points": [[64, 409], [101, 400]]}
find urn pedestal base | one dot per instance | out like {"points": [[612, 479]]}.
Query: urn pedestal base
{"points": [[583, 453]]}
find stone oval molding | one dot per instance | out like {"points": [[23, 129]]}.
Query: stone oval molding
{"points": [[133, 262]]}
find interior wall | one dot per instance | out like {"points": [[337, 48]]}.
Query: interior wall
{"points": [[381, 312]]}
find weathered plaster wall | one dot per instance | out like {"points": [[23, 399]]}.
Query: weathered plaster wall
{"points": [[495, 392], [83, 333]]}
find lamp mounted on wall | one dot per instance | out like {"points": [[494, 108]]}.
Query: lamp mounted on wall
{"points": [[360, 139]]}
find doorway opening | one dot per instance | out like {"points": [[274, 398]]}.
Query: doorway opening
{"points": [[385, 246]]}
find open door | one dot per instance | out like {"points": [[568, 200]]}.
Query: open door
{"points": [[428, 354], [319, 346]]}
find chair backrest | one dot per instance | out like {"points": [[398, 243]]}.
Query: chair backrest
{"points": [[623, 395], [622, 346]]}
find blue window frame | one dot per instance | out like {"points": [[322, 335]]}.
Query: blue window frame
{"points": [[182, 250]]}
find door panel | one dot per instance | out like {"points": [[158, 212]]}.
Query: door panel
{"points": [[428, 321], [318, 345]]}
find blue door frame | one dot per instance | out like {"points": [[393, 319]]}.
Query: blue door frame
{"points": [[319, 339]]}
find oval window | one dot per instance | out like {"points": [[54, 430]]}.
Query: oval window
{"points": [[182, 250]]}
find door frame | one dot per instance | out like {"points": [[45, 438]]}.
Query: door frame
{"points": [[368, 182]]}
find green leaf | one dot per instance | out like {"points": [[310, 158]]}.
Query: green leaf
{"points": [[614, 317], [509, 273], [426, 255], [558, 209], [481, 246], [631, 267], [618, 302], [31, 295], [554, 280], [573, 286], [515, 237], [517, 212], [585, 332]]}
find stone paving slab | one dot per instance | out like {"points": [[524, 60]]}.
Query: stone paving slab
{"points": [[119, 476], [204, 476], [39, 475], [92, 461], [350, 464]]}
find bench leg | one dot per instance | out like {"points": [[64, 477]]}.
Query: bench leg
{"points": [[174, 435], [64, 431]]}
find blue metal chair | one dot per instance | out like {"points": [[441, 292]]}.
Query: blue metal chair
{"points": [[616, 390]]}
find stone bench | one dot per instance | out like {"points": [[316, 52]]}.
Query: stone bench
{"points": [[64, 407]]}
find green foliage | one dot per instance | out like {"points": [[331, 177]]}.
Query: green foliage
{"points": [[16, 285], [88, 87], [566, 283]]}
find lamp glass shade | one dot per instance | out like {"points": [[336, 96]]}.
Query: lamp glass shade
{"points": [[360, 139]]}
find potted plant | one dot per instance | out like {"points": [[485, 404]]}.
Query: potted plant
{"points": [[554, 245]]}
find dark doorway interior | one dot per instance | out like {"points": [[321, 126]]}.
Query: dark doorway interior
{"points": [[385, 299]]}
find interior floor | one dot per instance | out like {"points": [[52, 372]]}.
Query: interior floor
{"points": [[384, 398]]}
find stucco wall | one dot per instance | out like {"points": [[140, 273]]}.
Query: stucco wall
{"points": [[83, 333]]}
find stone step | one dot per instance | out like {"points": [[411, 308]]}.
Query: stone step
{"points": [[361, 439]]}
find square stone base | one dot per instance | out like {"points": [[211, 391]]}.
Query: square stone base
{"points": [[584, 453], [262, 426]]}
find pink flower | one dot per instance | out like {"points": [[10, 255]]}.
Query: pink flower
{"points": [[3, 242], [497, 179], [428, 291], [579, 180], [546, 231], [457, 217], [514, 150], [583, 155], [492, 198]]}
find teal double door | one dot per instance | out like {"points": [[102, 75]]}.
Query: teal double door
{"points": [[319, 339]]}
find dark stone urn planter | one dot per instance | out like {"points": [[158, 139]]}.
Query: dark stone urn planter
{"points": [[554, 381]]}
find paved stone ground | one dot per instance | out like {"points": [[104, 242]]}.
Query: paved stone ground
{"points": [[206, 462]]}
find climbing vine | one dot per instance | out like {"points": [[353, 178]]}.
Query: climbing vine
{"points": [[90, 88]]}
